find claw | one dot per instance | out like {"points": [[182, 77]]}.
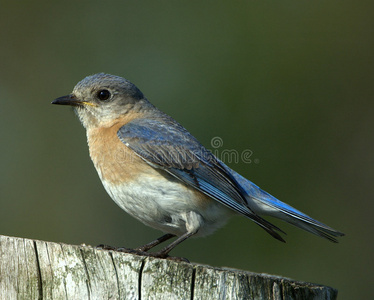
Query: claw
{"points": [[105, 247]]}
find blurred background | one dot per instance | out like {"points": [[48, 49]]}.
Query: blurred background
{"points": [[289, 82]]}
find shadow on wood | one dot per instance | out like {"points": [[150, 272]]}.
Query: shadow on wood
{"points": [[32, 269]]}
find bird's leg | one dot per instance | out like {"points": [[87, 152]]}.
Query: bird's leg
{"points": [[154, 243], [140, 250], [163, 253]]}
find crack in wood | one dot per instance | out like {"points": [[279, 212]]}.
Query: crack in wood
{"points": [[40, 282], [140, 280], [116, 272], [88, 281], [193, 278]]}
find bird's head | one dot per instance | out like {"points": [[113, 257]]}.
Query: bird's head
{"points": [[101, 99]]}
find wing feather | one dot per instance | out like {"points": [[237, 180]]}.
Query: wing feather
{"points": [[167, 145]]}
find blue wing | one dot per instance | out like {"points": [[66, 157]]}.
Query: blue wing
{"points": [[167, 145]]}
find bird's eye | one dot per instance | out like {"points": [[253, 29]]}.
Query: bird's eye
{"points": [[103, 95]]}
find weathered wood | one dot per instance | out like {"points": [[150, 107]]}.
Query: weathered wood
{"points": [[31, 269]]}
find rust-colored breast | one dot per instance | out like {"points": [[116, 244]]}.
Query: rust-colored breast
{"points": [[114, 161]]}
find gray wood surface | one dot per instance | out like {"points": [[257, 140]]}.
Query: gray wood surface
{"points": [[32, 269]]}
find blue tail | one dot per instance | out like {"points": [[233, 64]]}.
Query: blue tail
{"points": [[262, 203]]}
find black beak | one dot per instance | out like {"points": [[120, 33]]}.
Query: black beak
{"points": [[67, 100]]}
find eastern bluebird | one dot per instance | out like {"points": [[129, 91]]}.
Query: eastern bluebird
{"points": [[156, 171]]}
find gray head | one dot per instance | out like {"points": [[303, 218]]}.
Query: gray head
{"points": [[101, 98]]}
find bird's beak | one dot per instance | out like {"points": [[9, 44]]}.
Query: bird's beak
{"points": [[71, 100], [67, 100]]}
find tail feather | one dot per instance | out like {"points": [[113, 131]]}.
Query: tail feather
{"points": [[268, 205], [262, 203], [323, 232]]}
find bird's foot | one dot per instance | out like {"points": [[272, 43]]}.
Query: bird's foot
{"points": [[164, 255], [121, 249], [178, 259], [105, 247], [139, 251], [132, 251]]}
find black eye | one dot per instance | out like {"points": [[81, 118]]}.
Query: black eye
{"points": [[103, 95]]}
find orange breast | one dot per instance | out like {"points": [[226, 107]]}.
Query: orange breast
{"points": [[114, 161], [117, 164]]}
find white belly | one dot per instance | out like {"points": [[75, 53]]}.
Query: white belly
{"points": [[164, 202]]}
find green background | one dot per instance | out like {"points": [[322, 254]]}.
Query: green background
{"points": [[292, 81]]}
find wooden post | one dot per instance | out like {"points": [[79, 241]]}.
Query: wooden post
{"points": [[32, 269]]}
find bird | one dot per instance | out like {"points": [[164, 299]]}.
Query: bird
{"points": [[159, 173]]}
